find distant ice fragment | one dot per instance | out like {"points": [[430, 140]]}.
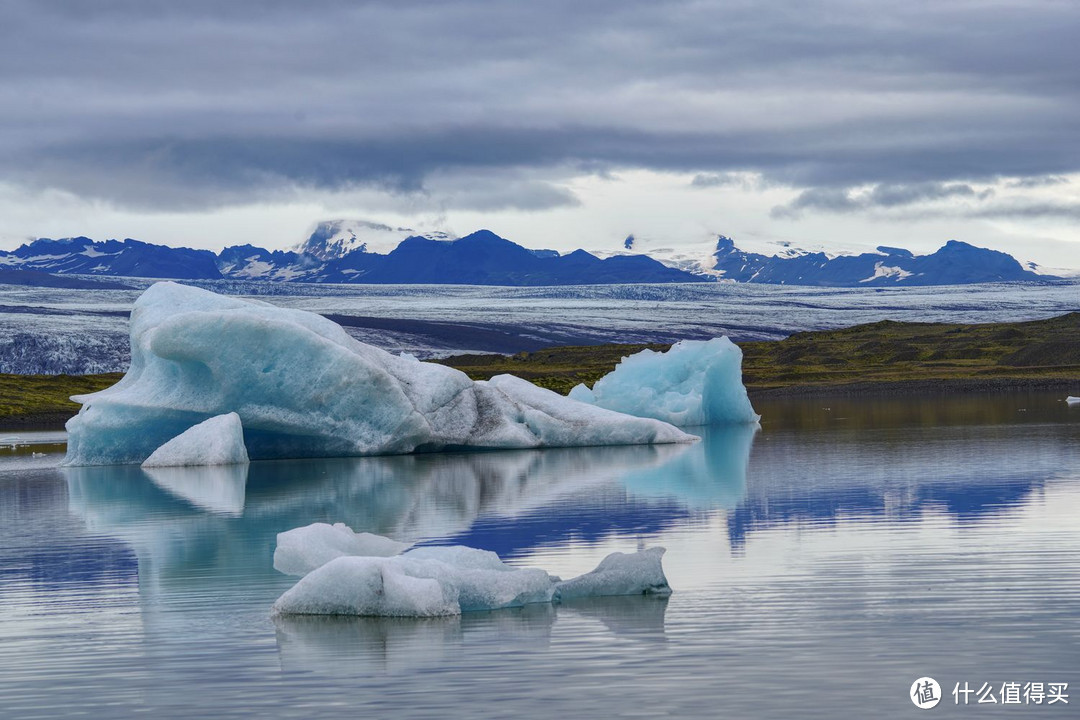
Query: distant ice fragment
{"points": [[1072, 400], [696, 382], [302, 387], [640, 573], [217, 441], [301, 550]]}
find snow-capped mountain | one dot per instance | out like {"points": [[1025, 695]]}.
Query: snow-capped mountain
{"points": [[482, 258], [130, 258], [359, 251], [334, 239], [955, 263], [695, 257]]}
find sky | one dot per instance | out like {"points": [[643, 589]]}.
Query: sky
{"points": [[824, 124]]}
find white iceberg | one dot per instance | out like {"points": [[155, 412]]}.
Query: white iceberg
{"points": [[1072, 400], [435, 581], [696, 382], [302, 387], [402, 586], [301, 550], [217, 441], [639, 573]]}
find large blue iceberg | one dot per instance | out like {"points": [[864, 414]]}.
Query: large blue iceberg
{"points": [[696, 382], [302, 387]]}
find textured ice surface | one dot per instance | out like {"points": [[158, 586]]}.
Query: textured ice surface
{"points": [[1072, 400], [301, 550], [696, 382], [431, 581], [303, 387], [217, 441], [639, 573], [409, 587]]}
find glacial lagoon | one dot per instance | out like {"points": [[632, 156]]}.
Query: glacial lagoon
{"points": [[820, 565]]}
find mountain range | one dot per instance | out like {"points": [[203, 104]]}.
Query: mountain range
{"points": [[371, 253], [955, 263]]}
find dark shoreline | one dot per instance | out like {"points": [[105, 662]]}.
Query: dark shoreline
{"points": [[910, 388], [871, 390]]}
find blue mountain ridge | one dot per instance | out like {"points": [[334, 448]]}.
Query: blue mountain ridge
{"points": [[484, 258], [955, 263]]}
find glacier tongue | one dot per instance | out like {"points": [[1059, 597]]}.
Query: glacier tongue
{"points": [[302, 387], [696, 382]]}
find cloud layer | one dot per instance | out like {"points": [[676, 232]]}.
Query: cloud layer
{"points": [[201, 104]]}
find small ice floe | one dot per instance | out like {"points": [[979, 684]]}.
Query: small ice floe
{"points": [[12, 441], [37, 454], [639, 573], [696, 382], [217, 441], [301, 550], [435, 581], [1072, 400]]}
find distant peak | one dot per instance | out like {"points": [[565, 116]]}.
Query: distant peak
{"points": [[723, 242]]}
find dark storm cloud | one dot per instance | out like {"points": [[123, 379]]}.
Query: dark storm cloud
{"points": [[1028, 210], [882, 196], [186, 104]]}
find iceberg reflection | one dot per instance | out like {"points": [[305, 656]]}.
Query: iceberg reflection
{"points": [[333, 645]]}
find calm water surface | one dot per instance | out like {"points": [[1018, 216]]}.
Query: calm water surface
{"points": [[820, 565]]}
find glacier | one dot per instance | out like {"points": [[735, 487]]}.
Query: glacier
{"points": [[302, 387], [303, 549], [696, 382], [217, 441], [433, 581]]}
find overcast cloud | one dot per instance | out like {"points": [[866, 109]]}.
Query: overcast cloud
{"points": [[190, 107]]}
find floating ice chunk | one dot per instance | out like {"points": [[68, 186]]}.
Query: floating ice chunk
{"points": [[301, 550], [217, 441], [402, 586], [639, 573], [1072, 400], [696, 382], [430, 581], [368, 586], [302, 387]]}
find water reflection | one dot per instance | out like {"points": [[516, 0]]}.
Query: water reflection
{"points": [[359, 646], [710, 474], [216, 489], [222, 520]]}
